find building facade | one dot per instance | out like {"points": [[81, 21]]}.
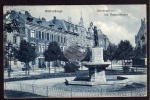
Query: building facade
{"points": [[40, 33], [141, 37]]}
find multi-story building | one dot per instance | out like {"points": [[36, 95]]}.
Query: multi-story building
{"points": [[40, 33], [141, 38]]}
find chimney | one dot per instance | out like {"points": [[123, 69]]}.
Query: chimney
{"points": [[43, 19], [144, 20], [13, 12], [27, 13], [141, 21], [54, 20]]}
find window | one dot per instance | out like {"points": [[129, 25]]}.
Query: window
{"points": [[52, 37], [39, 34], [58, 38], [47, 36], [64, 39], [42, 35], [32, 33], [39, 47], [139, 44], [36, 34], [42, 49], [14, 39]]}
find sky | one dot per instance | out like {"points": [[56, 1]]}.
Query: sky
{"points": [[124, 26]]}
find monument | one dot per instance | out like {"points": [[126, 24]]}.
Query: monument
{"points": [[96, 67]]}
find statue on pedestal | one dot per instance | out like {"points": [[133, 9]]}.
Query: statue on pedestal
{"points": [[95, 36]]}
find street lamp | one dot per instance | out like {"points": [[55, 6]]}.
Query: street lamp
{"points": [[9, 53]]}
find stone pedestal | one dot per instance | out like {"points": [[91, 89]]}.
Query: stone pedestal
{"points": [[97, 55], [97, 76], [96, 68]]}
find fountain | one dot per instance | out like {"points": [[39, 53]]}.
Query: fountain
{"points": [[96, 67]]}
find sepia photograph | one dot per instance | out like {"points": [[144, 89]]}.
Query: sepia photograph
{"points": [[72, 51]]}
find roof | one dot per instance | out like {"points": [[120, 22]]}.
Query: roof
{"points": [[67, 26], [57, 24]]}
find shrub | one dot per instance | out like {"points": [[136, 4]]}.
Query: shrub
{"points": [[126, 69], [132, 70], [71, 67]]}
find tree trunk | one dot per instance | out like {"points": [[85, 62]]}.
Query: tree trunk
{"points": [[49, 66], [55, 65], [111, 64], [26, 69]]}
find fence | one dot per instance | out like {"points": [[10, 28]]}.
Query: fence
{"points": [[72, 92]]}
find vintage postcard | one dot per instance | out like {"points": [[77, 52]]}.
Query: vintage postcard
{"points": [[71, 51]]}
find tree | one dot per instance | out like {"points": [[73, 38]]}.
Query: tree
{"points": [[71, 66], [12, 22], [124, 51], [144, 50], [53, 53], [109, 54], [138, 53], [25, 53]]}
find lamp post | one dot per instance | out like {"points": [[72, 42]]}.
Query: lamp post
{"points": [[9, 53]]}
